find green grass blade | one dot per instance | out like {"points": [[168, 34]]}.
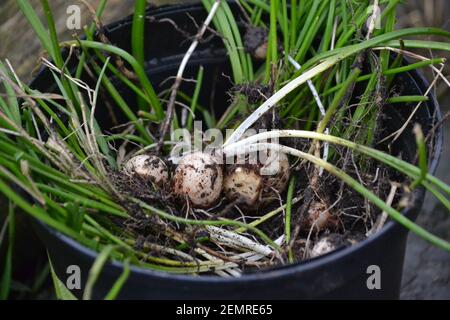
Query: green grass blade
{"points": [[95, 271], [407, 99], [385, 38], [195, 96], [422, 152], [287, 227], [117, 287], [57, 57], [140, 73], [37, 25], [137, 31], [419, 44], [6, 279], [137, 37], [61, 291]]}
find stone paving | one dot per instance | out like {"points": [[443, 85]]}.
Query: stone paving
{"points": [[426, 274]]}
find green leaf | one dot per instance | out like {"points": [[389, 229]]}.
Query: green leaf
{"points": [[61, 291], [140, 73], [137, 31], [419, 44], [36, 24], [376, 41], [57, 56], [75, 216], [95, 271], [5, 284], [137, 38], [117, 287]]}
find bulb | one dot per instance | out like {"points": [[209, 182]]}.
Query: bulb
{"points": [[256, 41], [329, 243], [243, 184], [275, 172], [322, 247], [260, 53], [148, 167], [249, 184], [320, 217], [199, 178]]}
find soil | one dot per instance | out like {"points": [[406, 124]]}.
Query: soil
{"points": [[254, 92], [140, 224], [327, 205], [337, 208]]}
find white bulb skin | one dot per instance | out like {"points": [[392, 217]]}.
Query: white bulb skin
{"points": [[323, 246], [253, 185], [199, 179], [243, 184], [148, 167], [319, 217], [329, 243], [275, 172], [260, 52]]}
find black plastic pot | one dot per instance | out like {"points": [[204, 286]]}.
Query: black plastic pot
{"points": [[341, 274]]}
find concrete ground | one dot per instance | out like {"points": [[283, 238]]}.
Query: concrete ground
{"points": [[427, 269], [426, 274]]}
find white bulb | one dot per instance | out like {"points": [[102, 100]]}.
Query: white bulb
{"points": [[275, 172], [260, 52], [319, 216], [322, 247], [330, 243], [198, 178], [243, 184], [148, 167]]}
